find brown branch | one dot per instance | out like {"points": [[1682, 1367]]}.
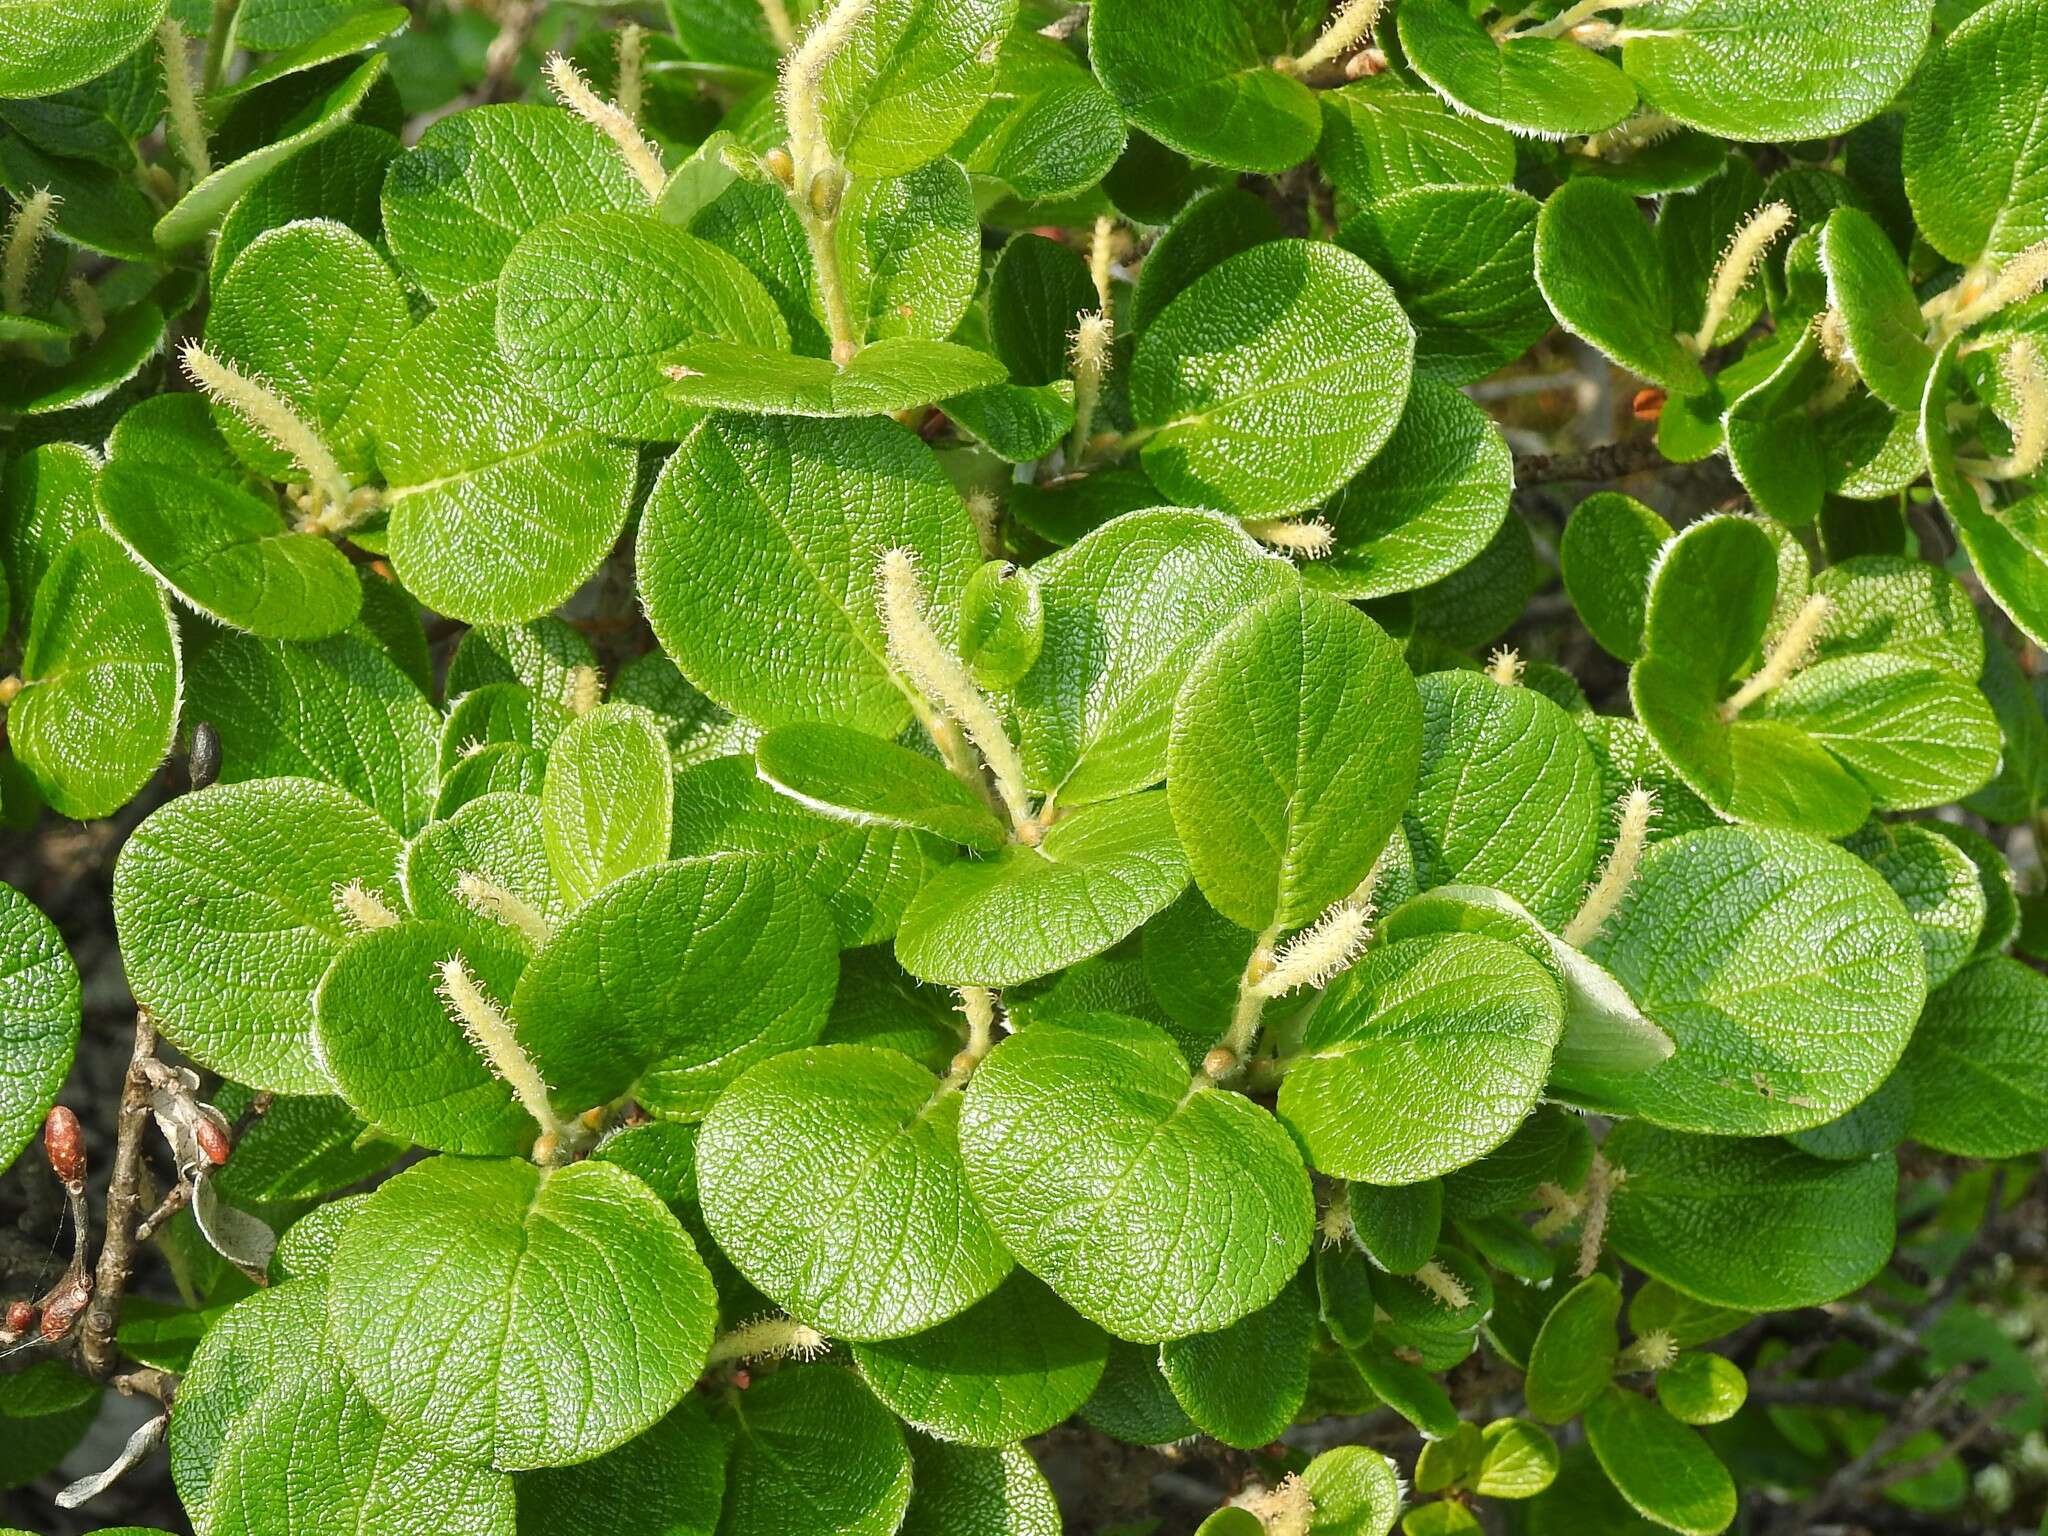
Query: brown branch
{"points": [[1921, 1410], [179, 1197], [117, 1250], [1610, 461], [1984, 1424], [147, 1382]]}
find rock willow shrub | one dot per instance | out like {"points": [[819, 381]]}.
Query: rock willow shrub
{"points": [[1062, 925]]}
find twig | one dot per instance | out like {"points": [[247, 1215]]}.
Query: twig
{"points": [[147, 1382], [1610, 461], [117, 1251], [1920, 1411], [1984, 1424], [179, 1197]]}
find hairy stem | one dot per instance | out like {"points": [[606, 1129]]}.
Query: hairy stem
{"points": [[632, 59], [776, 14], [1231, 1051]]}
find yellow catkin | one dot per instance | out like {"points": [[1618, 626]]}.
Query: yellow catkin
{"points": [[1740, 260], [803, 83], [1443, 1286], [574, 92], [769, 1338], [1504, 666], [779, 26], [491, 1033], [26, 232], [1638, 808], [632, 61], [1352, 24], [1304, 538], [1284, 1511], [186, 124], [489, 899], [1786, 657], [1317, 953], [585, 690], [263, 409], [1092, 338], [2028, 382], [1600, 1184], [361, 908]]}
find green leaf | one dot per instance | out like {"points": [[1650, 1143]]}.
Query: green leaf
{"points": [[338, 178], [1220, 224], [1552, 1146], [300, 1148], [1396, 1227], [1881, 322], [1699, 1388], [228, 554], [361, 28], [1355, 1490], [592, 306], [670, 1479], [39, 1018], [196, 214], [267, 1400], [1793, 996], [1519, 1460], [1460, 260], [1974, 152], [824, 501], [893, 374], [1383, 135], [2007, 545], [832, 1177], [853, 777], [1611, 543], [315, 356], [1690, 1323], [1197, 77], [1425, 506], [1272, 379], [1938, 885], [909, 252], [1528, 825], [1014, 423], [907, 79], [1572, 1360], [1002, 624], [1702, 62], [1912, 736], [337, 710], [1410, 1390], [1098, 874], [45, 1411], [1975, 1063], [605, 807], [386, 1036], [122, 351], [1751, 1224], [1078, 1135], [530, 1374], [1294, 747], [102, 210], [1533, 85], [813, 1454], [101, 676], [45, 497], [962, 1491], [1583, 1498], [1127, 610], [679, 977], [1011, 1366], [1605, 279], [1425, 1057], [1134, 1404], [1037, 292], [1048, 129], [460, 199], [227, 908], [1665, 1470], [1244, 1384], [50, 45]]}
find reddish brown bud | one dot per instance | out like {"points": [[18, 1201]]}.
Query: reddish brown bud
{"points": [[62, 1309], [213, 1141], [1649, 404], [21, 1316], [64, 1143]]}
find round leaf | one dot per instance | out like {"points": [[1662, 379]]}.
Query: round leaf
{"points": [[812, 1454], [1661, 1467], [39, 1018], [1978, 1071], [1534, 85], [961, 1491], [50, 45]]}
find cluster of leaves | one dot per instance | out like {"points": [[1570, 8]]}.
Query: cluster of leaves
{"points": [[1057, 917]]}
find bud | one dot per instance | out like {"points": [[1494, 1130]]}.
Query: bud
{"points": [[62, 1310], [1649, 404], [64, 1145], [1219, 1063], [827, 187], [213, 1141], [21, 1316], [779, 165]]}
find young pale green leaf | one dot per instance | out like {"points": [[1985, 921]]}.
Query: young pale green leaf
{"points": [[1664, 1469], [228, 554], [853, 777], [338, 178], [1127, 610], [1607, 282], [605, 807], [1355, 1492], [532, 1374], [1754, 70], [1518, 1460], [1198, 78], [1079, 1136], [1294, 747], [1461, 261], [865, 875], [678, 977], [824, 502], [1425, 506], [904, 79], [1690, 1323], [1975, 1064], [1271, 379], [1099, 873], [1975, 153], [1572, 1360], [670, 1479], [811, 1453], [1528, 825], [272, 1434], [228, 905], [962, 1491], [1037, 293], [1246, 1383], [1383, 135], [1426, 1057], [1699, 1388], [337, 710], [1610, 544], [1751, 1224], [495, 714], [387, 1038], [101, 680], [47, 46], [308, 311], [592, 306], [1869, 288], [909, 252], [1533, 85], [832, 1177], [1011, 1366], [458, 201], [39, 1017], [1938, 884], [893, 374], [1793, 444], [1002, 624], [1793, 996]]}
